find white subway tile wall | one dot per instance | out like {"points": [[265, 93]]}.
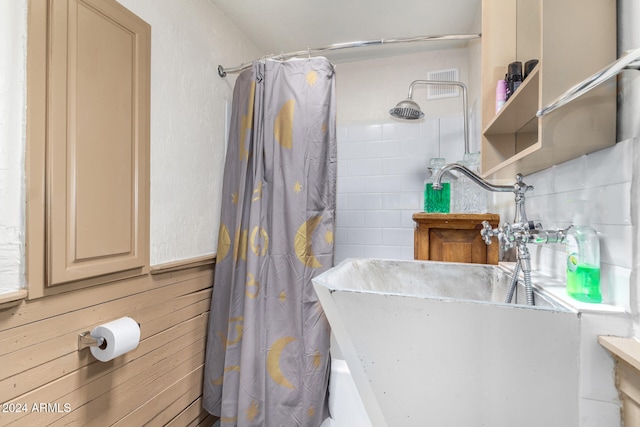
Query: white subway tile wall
{"points": [[381, 170], [598, 184], [382, 166]]}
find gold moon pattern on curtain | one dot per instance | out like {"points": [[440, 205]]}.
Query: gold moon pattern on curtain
{"points": [[317, 359], [220, 379], [224, 243], [239, 331], [273, 362], [240, 243], [228, 419], [252, 284], [303, 244], [267, 359], [259, 242], [252, 411], [256, 248], [246, 122], [257, 192], [283, 126]]}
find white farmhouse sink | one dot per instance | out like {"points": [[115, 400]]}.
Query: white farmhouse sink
{"points": [[432, 344]]}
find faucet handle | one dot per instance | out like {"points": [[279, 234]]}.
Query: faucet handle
{"points": [[506, 235], [520, 187], [487, 232]]}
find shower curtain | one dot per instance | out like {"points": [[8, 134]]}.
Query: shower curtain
{"points": [[267, 360]]}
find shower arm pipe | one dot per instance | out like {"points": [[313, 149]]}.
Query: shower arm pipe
{"points": [[630, 61], [464, 103], [222, 71]]}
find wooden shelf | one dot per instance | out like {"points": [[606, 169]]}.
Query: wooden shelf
{"points": [[520, 110], [12, 299], [515, 140], [626, 352]]}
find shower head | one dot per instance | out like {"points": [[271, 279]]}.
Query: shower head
{"points": [[410, 110], [407, 109]]}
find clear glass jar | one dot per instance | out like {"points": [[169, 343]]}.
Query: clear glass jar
{"points": [[458, 191], [474, 196]]}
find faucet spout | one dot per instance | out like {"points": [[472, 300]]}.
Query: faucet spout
{"points": [[437, 178], [519, 188]]}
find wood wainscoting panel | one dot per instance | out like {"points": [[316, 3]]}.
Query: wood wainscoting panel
{"points": [[175, 399], [157, 383], [186, 417]]}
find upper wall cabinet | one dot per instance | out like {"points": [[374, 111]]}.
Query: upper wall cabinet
{"points": [[571, 40], [88, 142]]}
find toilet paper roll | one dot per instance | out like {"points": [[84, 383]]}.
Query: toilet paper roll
{"points": [[120, 336]]}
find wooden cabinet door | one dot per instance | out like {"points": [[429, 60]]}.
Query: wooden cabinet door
{"points": [[457, 246], [97, 140], [454, 238]]}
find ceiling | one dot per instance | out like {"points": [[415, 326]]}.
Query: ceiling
{"points": [[281, 26]]}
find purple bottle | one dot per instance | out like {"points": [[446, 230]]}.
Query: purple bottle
{"points": [[501, 94]]}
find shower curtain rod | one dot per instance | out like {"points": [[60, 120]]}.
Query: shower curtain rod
{"points": [[222, 72]]}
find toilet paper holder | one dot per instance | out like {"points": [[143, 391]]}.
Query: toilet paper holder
{"points": [[86, 340]]}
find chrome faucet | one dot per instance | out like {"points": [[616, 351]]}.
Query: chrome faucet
{"points": [[519, 188], [518, 233]]}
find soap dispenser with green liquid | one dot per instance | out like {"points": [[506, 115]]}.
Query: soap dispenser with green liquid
{"points": [[583, 261]]}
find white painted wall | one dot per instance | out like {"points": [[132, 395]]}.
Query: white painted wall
{"points": [[189, 40], [13, 35], [188, 101], [366, 90]]}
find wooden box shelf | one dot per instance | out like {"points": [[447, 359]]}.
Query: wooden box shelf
{"points": [[454, 238]]}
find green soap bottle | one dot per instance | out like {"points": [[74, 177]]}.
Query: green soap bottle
{"points": [[437, 201], [583, 261]]}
